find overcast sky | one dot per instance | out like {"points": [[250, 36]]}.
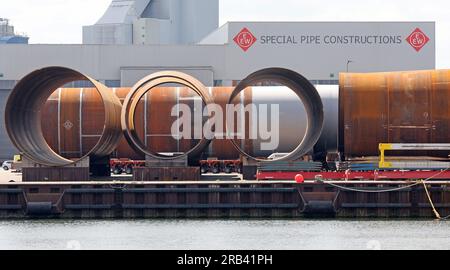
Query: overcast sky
{"points": [[60, 21]]}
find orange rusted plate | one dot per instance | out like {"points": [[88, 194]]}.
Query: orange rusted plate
{"points": [[393, 107]]}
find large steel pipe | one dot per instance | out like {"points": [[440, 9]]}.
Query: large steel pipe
{"points": [[393, 107], [23, 116], [83, 107], [138, 92], [307, 94]]}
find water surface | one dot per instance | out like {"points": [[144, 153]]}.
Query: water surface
{"points": [[224, 234]]}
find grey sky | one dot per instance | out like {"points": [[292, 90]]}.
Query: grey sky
{"points": [[60, 21]]}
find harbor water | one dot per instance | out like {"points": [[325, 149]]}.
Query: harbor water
{"points": [[224, 234]]}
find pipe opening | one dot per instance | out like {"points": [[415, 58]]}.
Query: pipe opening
{"points": [[154, 82], [23, 116], [307, 94]]}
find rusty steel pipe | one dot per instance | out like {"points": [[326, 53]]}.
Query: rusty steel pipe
{"points": [[307, 94], [137, 93], [23, 116], [393, 107]]}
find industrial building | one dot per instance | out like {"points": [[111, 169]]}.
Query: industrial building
{"points": [[154, 22], [135, 38], [8, 35]]}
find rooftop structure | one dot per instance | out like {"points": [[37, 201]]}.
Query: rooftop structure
{"points": [[8, 35], [145, 22]]}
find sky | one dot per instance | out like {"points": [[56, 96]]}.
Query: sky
{"points": [[60, 21]]}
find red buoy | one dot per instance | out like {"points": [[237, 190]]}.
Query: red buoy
{"points": [[299, 179]]}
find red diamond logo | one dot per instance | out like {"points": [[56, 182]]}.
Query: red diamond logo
{"points": [[417, 39], [245, 39]]}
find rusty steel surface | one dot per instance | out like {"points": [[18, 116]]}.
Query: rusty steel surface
{"points": [[137, 93], [62, 174], [51, 125], [23, 116], [143, 174], [154, 112], [307, 94], [151, 118], [71, 128], [158, 119], [393, 107], [222, 148], [224, 182], [69, 145], [227, 199], [124, 150]]}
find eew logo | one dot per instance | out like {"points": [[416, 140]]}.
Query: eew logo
{"points": [[245, 39], [417, 39]]}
